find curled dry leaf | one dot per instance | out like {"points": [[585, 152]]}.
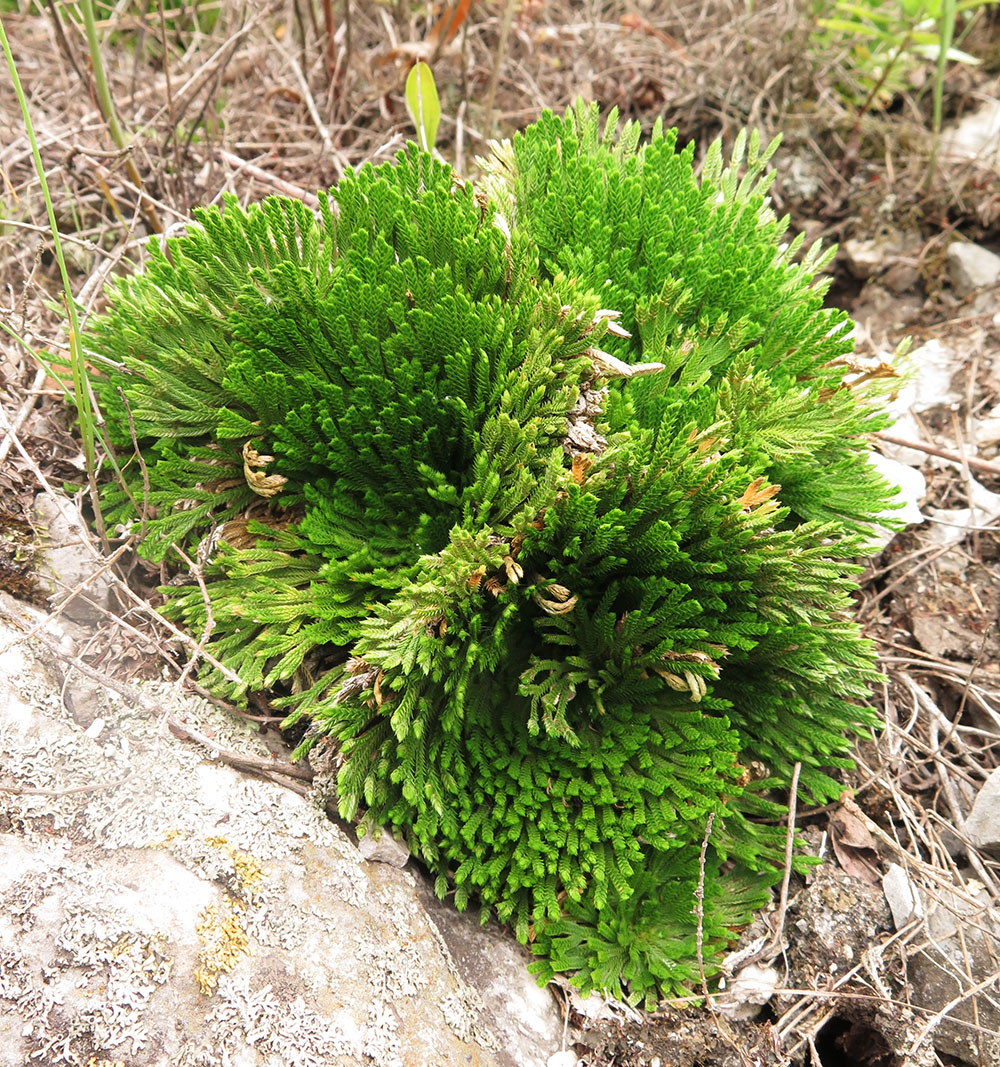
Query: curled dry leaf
{"points": [[854, 846], [559, 601], [265, 485], [757, 492], [612, 367], [515, 572]]}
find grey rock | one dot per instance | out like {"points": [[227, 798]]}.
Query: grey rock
{"points": [[904, 903], [982, 827], [161, 908], [878, 311], [866, 256], [800, 178], [960, 951], [384, 848], [523, 1015], [976, 137], [986, 302], [972, 267], [66, 564], [901, 277]]}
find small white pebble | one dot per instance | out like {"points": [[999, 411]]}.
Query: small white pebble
{"points": [[562, 1059], [95, 729]]}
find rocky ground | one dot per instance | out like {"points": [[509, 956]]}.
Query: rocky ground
{"points": [[172, 890], [158, 904]]}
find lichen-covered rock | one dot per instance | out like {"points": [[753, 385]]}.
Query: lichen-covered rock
{"points": [[67, 570], [158, 907]]}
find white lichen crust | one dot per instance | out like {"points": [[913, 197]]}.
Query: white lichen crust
{"points": [[158, 907]]}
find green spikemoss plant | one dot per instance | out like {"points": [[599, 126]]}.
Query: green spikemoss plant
{"points": [[538, 499]]}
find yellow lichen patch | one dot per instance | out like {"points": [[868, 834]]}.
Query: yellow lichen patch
{"points": [[225, 942], [221, 931], [170, 835], [248, 870]]}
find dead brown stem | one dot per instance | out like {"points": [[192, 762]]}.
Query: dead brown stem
{"points": [[984, 465]]}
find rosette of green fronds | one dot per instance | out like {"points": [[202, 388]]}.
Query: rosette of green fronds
{"points": [[648, 940], [704, 285], [539, 500]]}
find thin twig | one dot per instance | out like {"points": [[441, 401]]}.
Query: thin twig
{"points": [[937, 876], [142, 466], [171, 122], [26, 791], [344, 61], [952, 1004], [942, 453], [196, 570], [185, 95], [332, 154], [67, 48], [287, 188], [491, 91], [22, 413], [106, 105], [699, 897], [72, 515], [329, 41], [893, 585]]}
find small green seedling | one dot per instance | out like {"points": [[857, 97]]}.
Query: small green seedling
{"points": [[423, 104]]}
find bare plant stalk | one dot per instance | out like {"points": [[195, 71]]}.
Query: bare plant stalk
{"points": [[491, 91], [985, 465], [779, 919], [946, 34], [329, 42], [877, 87], [65, 46], [182, 188], [107, 106], [699, 905], [343, 66], [300, 25], [348, 39]]}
